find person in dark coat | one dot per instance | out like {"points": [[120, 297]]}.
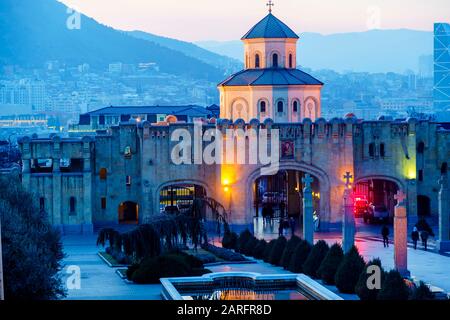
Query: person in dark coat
{"points": [[292, 225], [281, 228], [282, 210], [424, 236], [415, 237], [385, 235], [265, 214]]}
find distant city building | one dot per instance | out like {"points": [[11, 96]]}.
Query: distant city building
{"points": [[442, 69], [426, 66], [24, 120], [106, 117]]}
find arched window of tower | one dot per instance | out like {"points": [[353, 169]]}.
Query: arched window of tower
{"points": [[309, 112], [275, 60], [290, 61], [295, 106], [262, 107], [280, 106], [257, 61]]}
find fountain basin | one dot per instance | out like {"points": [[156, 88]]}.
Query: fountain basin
{"points": [[245, 286]]}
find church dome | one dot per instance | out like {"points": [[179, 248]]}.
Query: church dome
{"points": [[270, 27]]}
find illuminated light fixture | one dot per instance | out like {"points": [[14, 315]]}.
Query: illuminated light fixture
{"points": [[226, 189]]}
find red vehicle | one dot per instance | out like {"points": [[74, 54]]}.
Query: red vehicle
{"points": [[361, 206]]}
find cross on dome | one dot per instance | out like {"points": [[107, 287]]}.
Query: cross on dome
{"points": [[270, 4]]}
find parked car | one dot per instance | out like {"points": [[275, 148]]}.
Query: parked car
{"points": [[172, 209], [361, 207], [376, 213]]}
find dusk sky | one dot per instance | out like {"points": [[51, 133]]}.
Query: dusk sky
{"points": [[198, 20]]}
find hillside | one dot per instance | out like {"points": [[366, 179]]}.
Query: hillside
{"points": [[33, 32]]}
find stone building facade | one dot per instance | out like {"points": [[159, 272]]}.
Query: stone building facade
{"points": [[119, 175], [132, 163]]}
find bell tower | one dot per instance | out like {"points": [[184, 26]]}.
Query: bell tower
{"points": [[270, 86]]}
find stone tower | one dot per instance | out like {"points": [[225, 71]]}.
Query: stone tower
{"points": [[270, 86]]}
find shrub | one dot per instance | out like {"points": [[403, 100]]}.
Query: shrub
{"points": [[150, 270], [361, 289], [224, 254], [393, 287], [315, 258], [244, 237], [330, 264], [277, 251], [268, 250], [422, 292], [230, 240], [258, 251], [299, 257], [349, 271], [289, 251], [251, 244]]}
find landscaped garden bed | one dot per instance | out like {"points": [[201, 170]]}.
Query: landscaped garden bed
{"points": [[111, 261], [330, 266]]}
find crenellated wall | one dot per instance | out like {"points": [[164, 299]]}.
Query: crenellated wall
{"points": [[324, 149]]}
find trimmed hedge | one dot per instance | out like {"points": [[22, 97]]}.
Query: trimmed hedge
{"points": [[349, 271], [268, 250], [289, 251], [422, 292], [315, 258], [277, 251], [361, 289], [394, 287], [244, 237], [299, 257], [250, 246], [258, 251], [230, 240], [225, 254], [330, 264], [150, 270]]}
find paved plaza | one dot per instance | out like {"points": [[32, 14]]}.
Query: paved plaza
{"points": [[100, 282]]}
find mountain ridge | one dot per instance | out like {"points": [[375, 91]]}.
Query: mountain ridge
{"points": [[38, 34], [393, 50]]}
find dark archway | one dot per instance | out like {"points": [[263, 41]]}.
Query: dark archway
{"points": [[178, 198], [128, 213], [282, 196], [423, 206], [375, 194]]}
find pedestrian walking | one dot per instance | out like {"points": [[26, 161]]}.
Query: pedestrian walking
{"points": [[424, 236], [280, 228], [282, 210], [415, 237], [292, 225], [385, 235]]}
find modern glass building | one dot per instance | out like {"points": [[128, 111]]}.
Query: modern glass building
{"points": [[442, 69]]}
